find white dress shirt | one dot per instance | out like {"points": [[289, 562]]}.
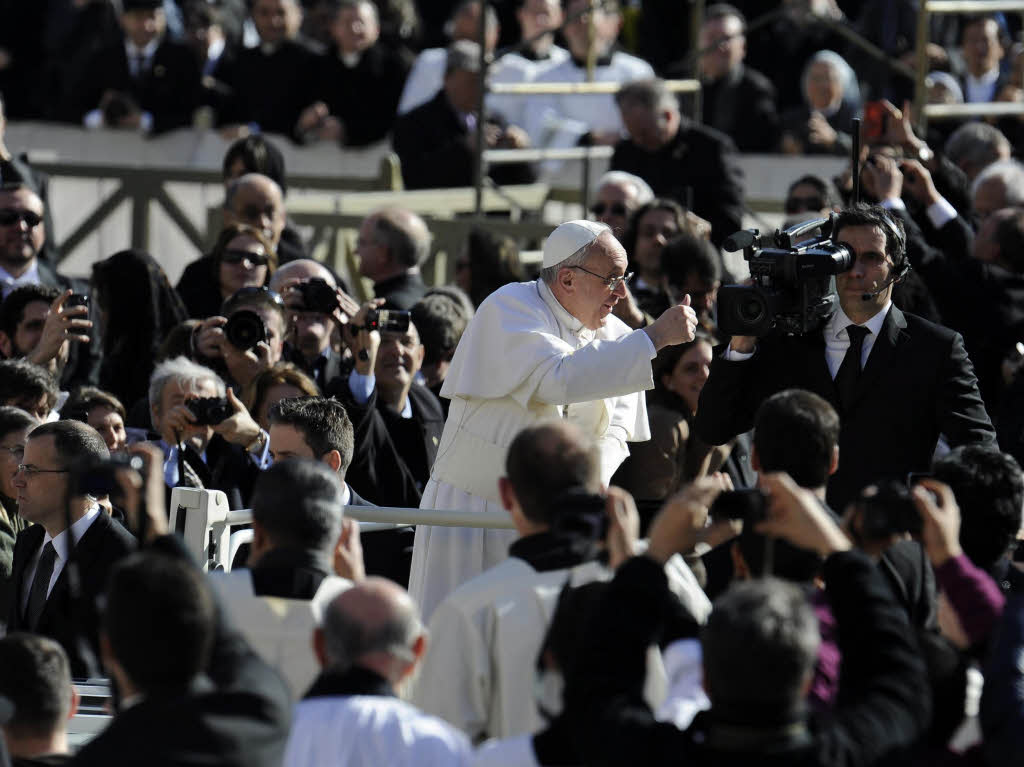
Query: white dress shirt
{"points": [[981, 90], [60, 548], [8, 282]]}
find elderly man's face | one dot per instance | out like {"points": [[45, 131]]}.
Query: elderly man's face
{"points": [[590, 300], [824, 86], [176, 392], [990, 197], [22, 233], [259, 204], [614, 205], [650, 129], [537, 16], [725, 44]]}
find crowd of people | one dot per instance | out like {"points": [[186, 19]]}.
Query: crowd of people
{"points": [[727, 543]]}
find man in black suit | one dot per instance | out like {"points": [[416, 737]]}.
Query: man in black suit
{"points": [[142, 82], [696, 166], [43, 599], [436, 141], [268, 86], [192, 690], [906, 381], [320, 429], [392, 244], [736, 100], [359, 79]]}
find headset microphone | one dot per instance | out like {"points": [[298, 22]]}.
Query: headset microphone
{"points": [[894, 278]]}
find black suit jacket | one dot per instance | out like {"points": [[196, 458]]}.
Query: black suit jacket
{"points": [[169, 89], [698, 162], [401, 292], [742, 105], [104, 543], [436, 149], [237, 714], [917, 383]]}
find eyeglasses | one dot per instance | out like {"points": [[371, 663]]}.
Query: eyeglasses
{"points": [[612, 283], [238, 256], [616, 209], [30, 471], [10, 217], [800, 204], [17, 451]]}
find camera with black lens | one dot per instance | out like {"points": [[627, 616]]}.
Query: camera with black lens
{"points": [[209, 411], [245, 330], [318, 296], [794, 286], [580, 514], [387, 320], [887, 509], [748, 505], [98, 477]]}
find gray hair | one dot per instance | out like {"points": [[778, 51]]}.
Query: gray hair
{"points": [[550, 273], [185, 371], [642, 190], [1011, 174], [650, 94], [847, 77], [404, 234], [347, 638], [975, 145]]}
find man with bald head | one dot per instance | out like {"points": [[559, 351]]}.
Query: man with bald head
{"points": [[392, 244], [369, 641], [537, 350], [256, 200]]}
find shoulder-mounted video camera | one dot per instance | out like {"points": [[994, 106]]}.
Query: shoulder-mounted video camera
{"points": [[794, 287]]}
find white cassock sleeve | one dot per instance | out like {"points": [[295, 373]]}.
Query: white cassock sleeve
{"points": [[454, 680]]}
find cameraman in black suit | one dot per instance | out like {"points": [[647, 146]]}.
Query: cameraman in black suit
{"points": [[906, 382]]}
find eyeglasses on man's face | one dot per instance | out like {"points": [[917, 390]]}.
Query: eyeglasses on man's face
{"points": [[28, 470], [612, 283], [10, 217]]}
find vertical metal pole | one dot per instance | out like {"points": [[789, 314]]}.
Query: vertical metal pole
{"points": [[478, 165], [696, 22], [920, 92], [591, 66]]}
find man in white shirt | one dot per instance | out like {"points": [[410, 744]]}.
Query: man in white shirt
{"points": [[533, 351], [44, 601], [566, 120], [982, 53], [371, 640]]}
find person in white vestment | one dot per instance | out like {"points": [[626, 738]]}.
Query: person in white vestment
{"points": [[537, 350], [479, 673], [370, 641]]}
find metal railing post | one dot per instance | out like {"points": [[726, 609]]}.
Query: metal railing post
{"points": [[921, 69], [478, 160], [696, 22]]}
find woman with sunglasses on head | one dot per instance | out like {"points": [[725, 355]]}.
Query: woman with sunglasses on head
{"points": [[242, 257]]}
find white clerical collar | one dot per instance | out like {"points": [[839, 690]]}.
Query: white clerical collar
{"points": [[29, 277], [346, 494], [60, 541], [350, 60], [839, 322], [215, 49], [565, 320], [134, 52]]}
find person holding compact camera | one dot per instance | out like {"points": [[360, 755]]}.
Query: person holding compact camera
{"points": [[897, 381]]}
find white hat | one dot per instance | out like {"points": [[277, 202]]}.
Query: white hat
{"points": [[569, 238]]}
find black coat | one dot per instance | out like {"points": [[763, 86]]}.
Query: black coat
{"points": [[742, 106], [700, 163], [884, 705], [169, 89], [96, 553], [364, 97], [268, 90], [237, 714], [917, 383], [436, 149], [401, 292]]}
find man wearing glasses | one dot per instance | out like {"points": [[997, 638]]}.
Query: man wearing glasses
{"points": [[535, 351], [22, 235], [43, 601]]}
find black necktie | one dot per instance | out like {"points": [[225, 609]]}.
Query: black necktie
{"points": [[40, 585], [849, 371]]}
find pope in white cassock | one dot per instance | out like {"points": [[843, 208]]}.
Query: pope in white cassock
{"points": [[533, 351]]}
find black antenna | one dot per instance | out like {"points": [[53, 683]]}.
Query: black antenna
{"points": [[855, 160]]}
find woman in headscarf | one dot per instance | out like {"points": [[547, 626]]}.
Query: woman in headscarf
{"points": [[831, 101]]}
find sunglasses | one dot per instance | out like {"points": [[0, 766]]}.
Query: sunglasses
{"points": [[801, 204], [238, 256], [616, 209], [9, 217]]}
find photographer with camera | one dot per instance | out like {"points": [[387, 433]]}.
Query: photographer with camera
{"points": [[486, 635], [897, 381], [388, 407]]}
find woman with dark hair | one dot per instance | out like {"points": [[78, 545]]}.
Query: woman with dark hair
{"points": [[650, 227], [278, 382], [241, 258], [137, 309], [488, 261], [673, 456], [254, 154]]}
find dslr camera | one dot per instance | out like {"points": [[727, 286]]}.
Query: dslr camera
{"points": [[889, 511], [97, 478], [794, 286], [387, 320], [245, 330], [318, 296], [209, 411]]}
